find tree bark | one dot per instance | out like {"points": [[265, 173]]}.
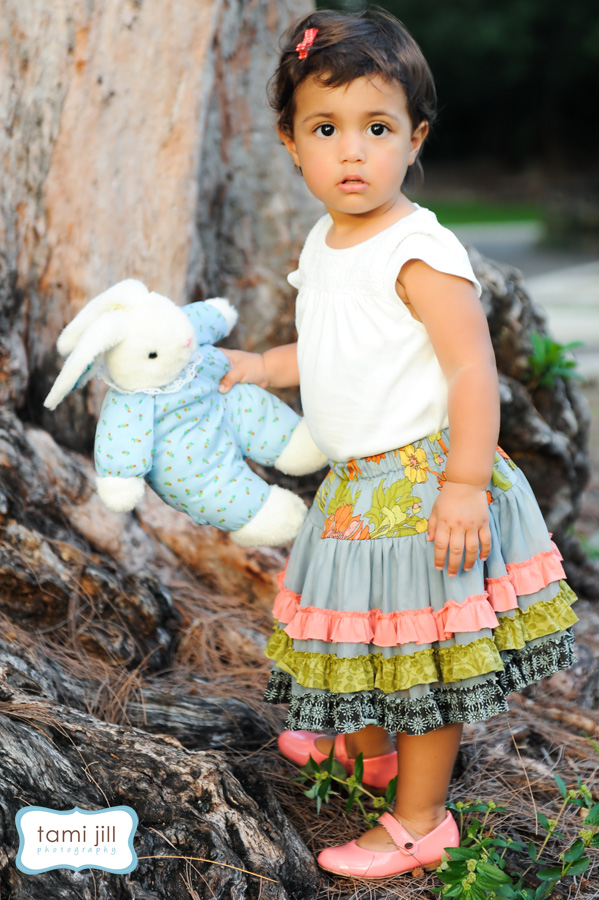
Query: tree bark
{"points": [[131, 650], [133, 146]]}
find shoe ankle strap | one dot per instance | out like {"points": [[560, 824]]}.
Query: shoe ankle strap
{"points": [[402, 838]]}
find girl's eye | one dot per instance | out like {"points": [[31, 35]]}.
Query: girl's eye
{"points": [[377, 129], [325, 130]]}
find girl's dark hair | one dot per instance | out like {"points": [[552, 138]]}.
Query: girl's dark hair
{"points": [[350, 46]]}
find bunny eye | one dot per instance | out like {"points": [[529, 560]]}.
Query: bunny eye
{"points": [[152, 355]]}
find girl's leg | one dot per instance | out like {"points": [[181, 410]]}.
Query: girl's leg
{"points": [[371, 741], [425, 763]]}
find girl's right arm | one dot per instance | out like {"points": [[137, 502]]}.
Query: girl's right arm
{"points": [[276, 368]]}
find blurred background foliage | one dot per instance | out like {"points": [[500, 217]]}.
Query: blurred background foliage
{"points": [[516, 79]]}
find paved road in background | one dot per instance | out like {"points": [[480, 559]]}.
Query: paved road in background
{"points": [[564, 283]]}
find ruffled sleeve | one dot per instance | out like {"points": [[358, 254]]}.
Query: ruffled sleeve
{"points": [[295, 279], [438, 247]]}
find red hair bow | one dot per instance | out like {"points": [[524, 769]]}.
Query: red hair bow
{"points": [[304, 46]]}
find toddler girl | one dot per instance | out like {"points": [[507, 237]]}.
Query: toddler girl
{"points": [[424, 586]]}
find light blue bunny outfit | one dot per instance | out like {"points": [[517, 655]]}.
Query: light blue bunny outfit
{"points": [[189, 441]]}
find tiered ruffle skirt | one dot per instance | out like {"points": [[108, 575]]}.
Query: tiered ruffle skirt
{"points": [[367, 631]]}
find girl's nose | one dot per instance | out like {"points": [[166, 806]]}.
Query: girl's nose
{"points": [[351, 148]]}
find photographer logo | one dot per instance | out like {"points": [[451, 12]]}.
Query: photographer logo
{"points": [[76, 839]]}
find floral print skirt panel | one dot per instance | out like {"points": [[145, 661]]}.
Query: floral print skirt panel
{"points": [[367, 631]]}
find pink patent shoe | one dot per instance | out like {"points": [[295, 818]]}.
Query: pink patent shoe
{"points": [[299, 746], [352, 860]]}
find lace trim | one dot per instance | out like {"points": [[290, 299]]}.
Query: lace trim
{"points": [[441, 706], [172, 388]]}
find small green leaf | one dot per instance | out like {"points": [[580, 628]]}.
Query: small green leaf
{"points": [[455, 891], [575, 852], [477, 893], [493, 872], [323, 789], [327, 764], [459, 853], [561, 785], [338, 770], [350, 800], [359, 767], [391, 791], [311, 767], [553, 873], [507, 891], [532, 851], [593, 816], [543, 821], [578, 867]]}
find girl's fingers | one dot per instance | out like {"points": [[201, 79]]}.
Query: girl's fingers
{"points": [[432, 526], [227, 382], [485, 542], [441, 546], [456, 551], [471, 547]]}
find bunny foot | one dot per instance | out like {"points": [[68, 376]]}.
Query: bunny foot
{"points": [[278, 522], [301, 455], [120, 494]]}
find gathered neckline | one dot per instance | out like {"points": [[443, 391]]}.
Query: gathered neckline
{"points": [[328, 220]]}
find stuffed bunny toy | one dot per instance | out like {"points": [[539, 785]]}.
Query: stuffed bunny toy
{"points": [[164, 421]]}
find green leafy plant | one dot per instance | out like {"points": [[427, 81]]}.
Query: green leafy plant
{"points": [[476, 870], [330, 772], [550, 360]]}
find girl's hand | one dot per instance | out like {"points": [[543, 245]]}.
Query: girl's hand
{"points": [[245, 368], [458, 523]]}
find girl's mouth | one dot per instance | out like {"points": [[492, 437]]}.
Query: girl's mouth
{"points": [[352, 184]]}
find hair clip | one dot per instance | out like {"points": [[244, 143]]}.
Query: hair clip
{"points": [[304, 46]]}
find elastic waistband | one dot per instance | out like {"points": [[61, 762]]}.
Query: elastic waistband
{"points": [[420, 454]]}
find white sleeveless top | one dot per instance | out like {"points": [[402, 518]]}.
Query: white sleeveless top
{"points": [[369, 378]]}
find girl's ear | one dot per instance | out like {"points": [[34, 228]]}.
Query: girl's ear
{"points": [[290, 145], [417, 140]]}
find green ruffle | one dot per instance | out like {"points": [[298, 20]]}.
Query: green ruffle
{"points": [[540, 619], [444, 664]]}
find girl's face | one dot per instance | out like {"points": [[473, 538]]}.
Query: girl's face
{"points": [[354, 144]]}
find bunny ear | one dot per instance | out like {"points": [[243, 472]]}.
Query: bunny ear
{"points": [[106, 332], [125, 294]]}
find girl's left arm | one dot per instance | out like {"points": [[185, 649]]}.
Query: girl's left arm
{"points": [[456, 324]]}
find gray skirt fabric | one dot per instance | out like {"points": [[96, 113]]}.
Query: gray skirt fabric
{"points": [[367, 631]]}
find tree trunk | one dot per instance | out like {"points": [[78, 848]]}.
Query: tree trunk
{"points": [[133, 146], [131, 651]]}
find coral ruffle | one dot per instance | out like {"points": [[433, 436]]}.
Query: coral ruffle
{"points": [[525, 578], [419, 626]]}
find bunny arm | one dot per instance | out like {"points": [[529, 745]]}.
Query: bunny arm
{"points": [[120, 494], [124, 446], [211, 319]]}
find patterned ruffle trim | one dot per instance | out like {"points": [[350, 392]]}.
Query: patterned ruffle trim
{"points": [[420, 626], [444, 664], [441, 706]]}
